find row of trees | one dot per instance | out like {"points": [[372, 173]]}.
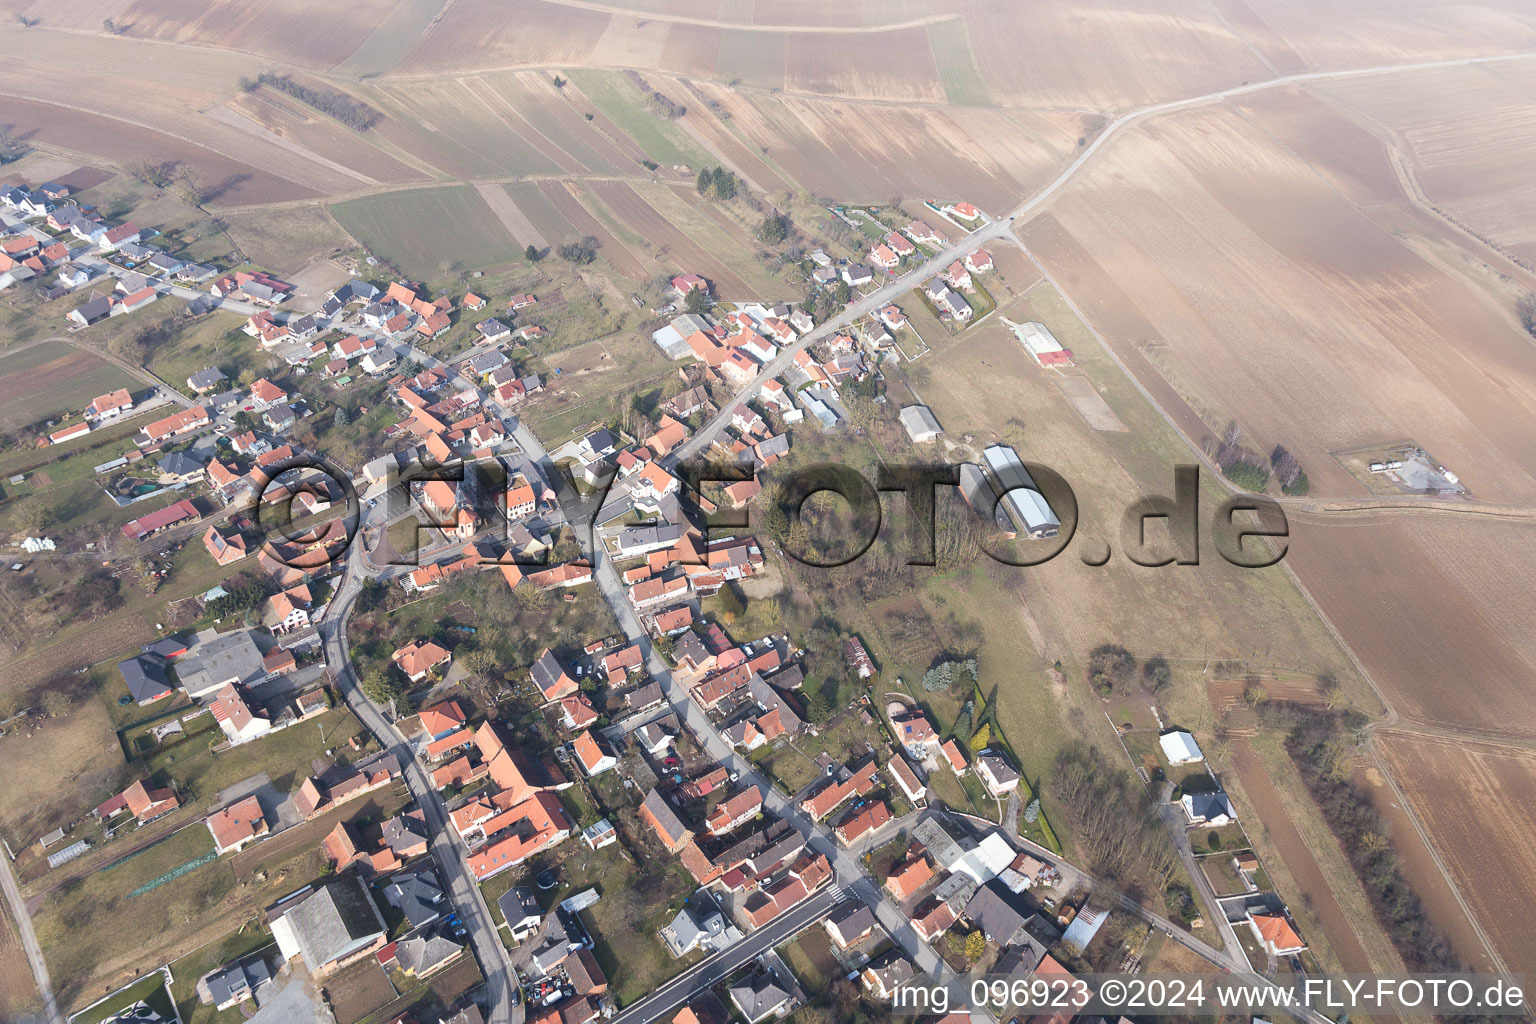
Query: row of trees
{"points": [[1111, 669], [1322, 745], [351, 112], [718, 183], [1293, 479], [1238, 463], [661, 106], [1248, 468]]}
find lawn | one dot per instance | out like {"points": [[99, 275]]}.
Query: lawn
{"points": [[211, 340], [430, 232], [150, 989], [621, 101], [93, 923], [810, 959], [53, 379], [286, 239], [636, 900], [285, 755], [249, 938]]}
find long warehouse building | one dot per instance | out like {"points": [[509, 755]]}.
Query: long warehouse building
{"points": [[1002, 482]]}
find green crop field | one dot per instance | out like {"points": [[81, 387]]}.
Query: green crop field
{"points": [[430, 232], [621, 101], [951, 45]]}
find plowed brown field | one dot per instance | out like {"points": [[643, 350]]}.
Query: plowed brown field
{"points": [[1476, 803]]}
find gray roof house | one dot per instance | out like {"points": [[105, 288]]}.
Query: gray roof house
{"points": [[699, 925], [206, 380], [424, 953], [418, 895], [1208, 808], [520, 908], [213, 663], [145, 677], [920, 423], [849, 922], [759, 996], [180, 466], [328, 926], [236, 982], [995, 911]]}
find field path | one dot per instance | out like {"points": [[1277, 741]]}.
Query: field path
{"points": [[29, 941], [511, 216]]}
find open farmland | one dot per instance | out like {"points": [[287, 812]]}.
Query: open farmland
{"points": [[1470, 136], [983, 382], [53, 379], [1475, 802], [672, 246], [620, 102], [285, 239], [429, 232], [1245, 288], [228, 181], [852, 151], [18, 993], [477, 34], [1307, 859], [1300, 35], [1453, 601], [287, 29], [314, 133], [892, 66], [582, 223]]}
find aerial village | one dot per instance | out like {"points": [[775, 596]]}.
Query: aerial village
{"points": [[615, 805]]}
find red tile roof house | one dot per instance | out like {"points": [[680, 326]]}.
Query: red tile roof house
{"points": [[416, 660], [577, 712], [440, 720], [550, 677], [236, 825], [734, 812], [955, 758], [148, 804], [176, 424], [594, 759], [682, 284], [908, 877], [224, 549], [979, 261], [158, 520], [899, 244], [862, 822], [826, 799], [110, 406], [881, 256]]}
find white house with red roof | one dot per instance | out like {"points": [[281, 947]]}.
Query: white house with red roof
{"points": [[979, 261], [880, 255], [682, 284]]}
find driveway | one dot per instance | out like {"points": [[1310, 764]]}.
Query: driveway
{"points": [[290, 998], [276, 806]]}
